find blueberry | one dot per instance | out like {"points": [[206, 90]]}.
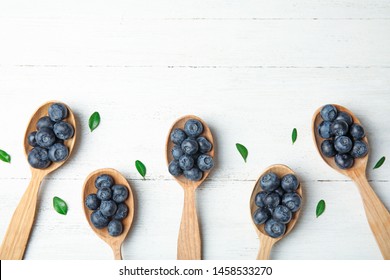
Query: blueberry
{"points": [[99, 220], [204, 145], [339, 128], [115, 228], [104, 194], [108, 208], [193, 174], [190, 146], [344, 161], [45, 137], [343, 144], [186, 162], [177, 152], [327, 148], [58, 152], [282, 214], [174, 168], [193, 128], [104, 181], [324, 129], [271, 200], [119, 193], [178, 136], [122, 212], [31, 139], [58, 112], [259, 199], [292, 201], [39, 158], [45, 122], [289, 183], [261, 216], [274, 228], [360, 149], [205, 162], [63, 130], [279, 191], [269, 182], [343, 116], [329, 113], [92, 202], [357, 132]]}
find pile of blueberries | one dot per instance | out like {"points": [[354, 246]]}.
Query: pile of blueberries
{"points": [[48, 141], [108, 205], [344, 139], [189, 153], [277, 203]]}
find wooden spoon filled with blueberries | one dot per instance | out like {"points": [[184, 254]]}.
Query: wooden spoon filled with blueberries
{"points": [[49, 140], [342, 143]]}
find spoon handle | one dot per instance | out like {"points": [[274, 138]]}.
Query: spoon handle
{"points": [[189, 242], [117, 253], [266, 244], [377, 215], [18, 232]]}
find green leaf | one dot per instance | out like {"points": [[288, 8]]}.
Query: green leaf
{"points": [[320, 208], [141, 168], [380, 162], [294, 135], [60, 205], [243, 151], [4, 156], [94, 121]]}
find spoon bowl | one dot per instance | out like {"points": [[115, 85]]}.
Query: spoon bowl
{"points": [[16, 238], [89, 187], [267, 242]]}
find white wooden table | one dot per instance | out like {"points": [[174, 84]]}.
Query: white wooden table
{"points": [[253, 70]]}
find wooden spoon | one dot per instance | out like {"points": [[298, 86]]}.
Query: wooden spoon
{"points": [[189, 242], [18, 232], [267, 242], [377, 215], [89, 188]]}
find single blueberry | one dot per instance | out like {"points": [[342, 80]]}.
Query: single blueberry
{"points": [[108, 208], [31, 139], [186, 162], [104, 181], [261, 216], [343, 116], [193, 128], [343, 144], [274, 229], [204, 145], [178, 136], [122, 212], [45, 137], [329, 113], [39, 158], [324, 129], [92, 202], [99, 220], [205, 162], [269, 182], [63, 130], [327, 148], [190, 146], [282, 214], [357, 132], [104, 194], [58, 152], [271, 200], [344, 161], [339, 128], [360, 149], [115, 228], [119, 193], [279, 191], [289, 183], [259, 199], [292, 201], [45, 122], [177, 152], [58, 112], [174, 168], [193, 174]]}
